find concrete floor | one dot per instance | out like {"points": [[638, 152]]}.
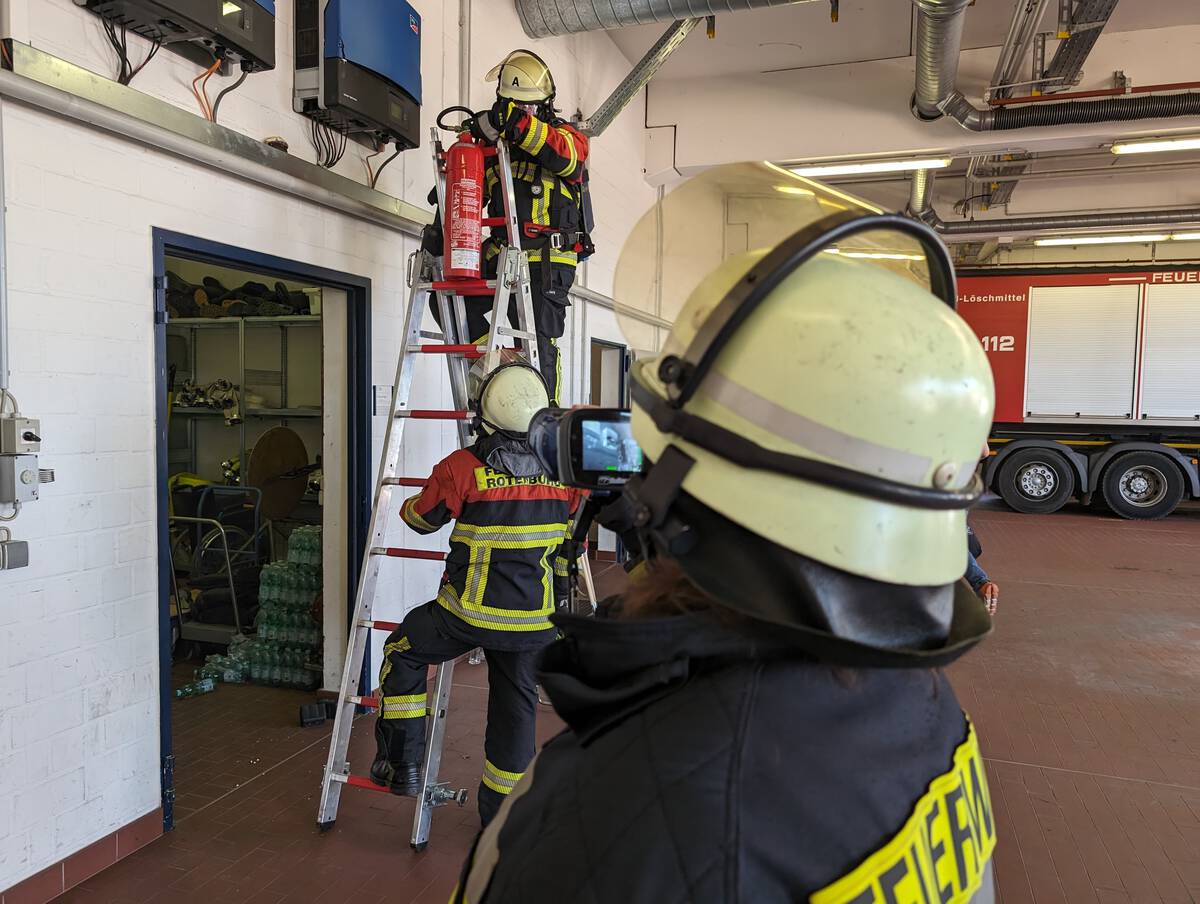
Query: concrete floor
{"points": [[1086, 699]]}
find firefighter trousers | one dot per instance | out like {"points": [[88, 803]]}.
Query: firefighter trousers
{"points": [[550, 303], [511, 713]]}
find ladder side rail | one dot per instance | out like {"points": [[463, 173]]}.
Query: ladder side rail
{"points": [[432, 793], [369, 573]]}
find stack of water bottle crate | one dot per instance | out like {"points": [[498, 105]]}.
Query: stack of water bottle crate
{"points": [[287, 650]]}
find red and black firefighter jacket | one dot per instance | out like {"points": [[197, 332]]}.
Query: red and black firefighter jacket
{"points": [[548, 170], [506, 550]]}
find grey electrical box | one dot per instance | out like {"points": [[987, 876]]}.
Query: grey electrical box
{"points": [[13, 554], [19, 479], [20, 436]]}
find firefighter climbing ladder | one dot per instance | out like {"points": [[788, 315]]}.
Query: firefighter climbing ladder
{"points": [[424, 274]]}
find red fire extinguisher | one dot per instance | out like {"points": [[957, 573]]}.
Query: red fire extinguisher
{"points": [[464, 208]]}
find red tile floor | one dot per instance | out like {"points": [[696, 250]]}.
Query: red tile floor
{"points": [[1087, 699]]}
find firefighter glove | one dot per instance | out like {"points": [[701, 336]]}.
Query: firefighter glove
{"points": [[481, 127], [501, 114]]}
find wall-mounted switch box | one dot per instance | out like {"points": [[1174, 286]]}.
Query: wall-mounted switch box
{"points": [[20, 436]]}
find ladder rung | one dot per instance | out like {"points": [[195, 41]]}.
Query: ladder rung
{"points": [[403, 482], [422, 414], [400, 552], [359, 781], [466, 286], [493, 221], [516, 334], [467, 351], [388, 626]]}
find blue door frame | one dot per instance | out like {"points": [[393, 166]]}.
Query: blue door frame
{"points": [[358, 459]]}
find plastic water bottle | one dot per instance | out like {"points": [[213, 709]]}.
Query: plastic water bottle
{"points": [[196, 688], [266, 580], [276, 670], [256, 665]]}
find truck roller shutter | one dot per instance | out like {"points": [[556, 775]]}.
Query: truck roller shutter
{"points": [[1082, 352], [1171, 352]]}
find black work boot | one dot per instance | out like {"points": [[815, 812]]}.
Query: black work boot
{"points": [[399, 778]]}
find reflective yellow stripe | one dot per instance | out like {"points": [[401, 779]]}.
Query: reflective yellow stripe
{"points": [[410, 706], [499, 780], [535, 138], [562, 567], [400, 646], [541, 204], [574, 152], [409, 514], [941, 853], [507, 537], [570, 258], [493, 619]]}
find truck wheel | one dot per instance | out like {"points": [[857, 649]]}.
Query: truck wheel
{"points": [[1036, 481], [1142, 485]]}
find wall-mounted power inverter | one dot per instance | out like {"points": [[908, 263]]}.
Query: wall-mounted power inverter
{"points": [[241, 31], [358, 68]]}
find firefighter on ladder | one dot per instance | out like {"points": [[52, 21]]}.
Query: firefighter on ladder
{"points": [[549, 158], [498, 591]]}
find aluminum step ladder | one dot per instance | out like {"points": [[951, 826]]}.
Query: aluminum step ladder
{"points": [[454, 342]]}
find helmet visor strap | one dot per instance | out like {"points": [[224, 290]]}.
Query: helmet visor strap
{"points": [[742, 451]]}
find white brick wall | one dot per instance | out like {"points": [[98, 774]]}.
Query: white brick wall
{"points": [[79, 679]]}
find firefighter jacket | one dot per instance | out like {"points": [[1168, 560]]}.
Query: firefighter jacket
{"points": [[708, 763], [548, 161], [498, 590]]}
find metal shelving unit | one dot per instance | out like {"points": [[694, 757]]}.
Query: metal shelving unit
{"points": [[191, 326]]}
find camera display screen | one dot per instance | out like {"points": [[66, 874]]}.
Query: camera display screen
{"points": [[609, 446]]}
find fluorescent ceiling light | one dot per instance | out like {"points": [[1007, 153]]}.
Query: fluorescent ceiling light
{"points": [[795, 190], [1186, 237], [877, 255], [1103, 240], [1157, 146], [872, 166]]}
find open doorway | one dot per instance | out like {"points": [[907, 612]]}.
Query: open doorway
{"points": [[609, 388], [263, 469]]}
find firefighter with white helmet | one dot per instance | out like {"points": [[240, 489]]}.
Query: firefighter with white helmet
{"points": [[761, 716], [498, 590], [549, 170]]}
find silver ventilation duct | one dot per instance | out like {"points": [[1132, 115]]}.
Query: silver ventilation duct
{"points": [[939, 40], [543, 18]]}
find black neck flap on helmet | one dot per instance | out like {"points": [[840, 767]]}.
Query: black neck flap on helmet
{"points": [[671, 527]]}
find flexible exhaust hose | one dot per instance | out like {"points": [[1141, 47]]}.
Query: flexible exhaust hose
{"points": [[1068, 112], [1111, 109]]}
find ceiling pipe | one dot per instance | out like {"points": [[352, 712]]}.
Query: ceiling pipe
{"points": [[547, 18], [920, 206], [939, 40]]}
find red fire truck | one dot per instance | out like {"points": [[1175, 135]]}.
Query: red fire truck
{"points": [[1097, 385]]}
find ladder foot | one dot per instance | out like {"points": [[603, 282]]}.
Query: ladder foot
{"points": [[419, 846], [324, 827]]}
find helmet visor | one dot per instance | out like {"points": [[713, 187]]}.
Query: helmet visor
{"points": [[723, 213]]}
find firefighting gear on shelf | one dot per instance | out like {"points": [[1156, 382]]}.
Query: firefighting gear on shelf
{"points": [[811, 425], [498, 591]]}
